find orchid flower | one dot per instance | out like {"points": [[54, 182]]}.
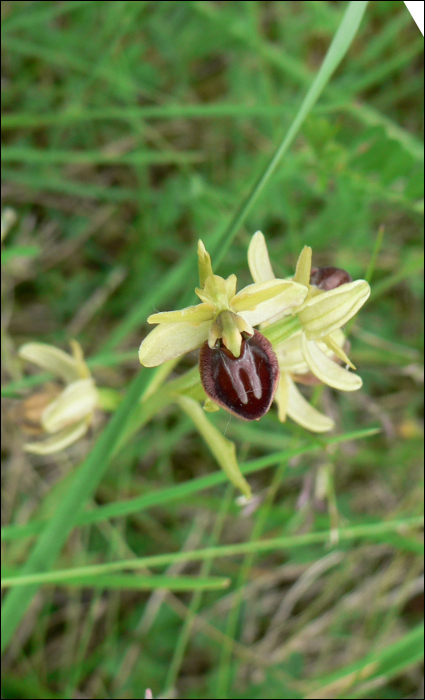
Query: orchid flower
{"points": [[318, 338], [68, 416], [223, 314]]}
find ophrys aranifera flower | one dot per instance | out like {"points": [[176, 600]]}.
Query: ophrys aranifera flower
{"points": [[223, 323]]}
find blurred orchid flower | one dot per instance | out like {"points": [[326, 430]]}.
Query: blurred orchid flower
{"points": [[67, 417]]}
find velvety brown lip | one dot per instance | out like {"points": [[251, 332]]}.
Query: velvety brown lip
{"points": [[245, 385]]}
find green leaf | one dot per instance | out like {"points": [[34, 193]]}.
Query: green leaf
{"points": [[223, 450]]}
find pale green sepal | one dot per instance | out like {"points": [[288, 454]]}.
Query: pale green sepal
{"points": [[329, 311], [290, 356], [60, 441], [337, 350], [50, 359], [204, 264], [210, 406], [170, 340], [223, 450], [281, 299], [327, 370], [249, 297], [195, 315], [258, 259], [77, 401], [303, 269], [304, 413]]}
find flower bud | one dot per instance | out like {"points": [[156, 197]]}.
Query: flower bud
{"points": [[327, 278]]}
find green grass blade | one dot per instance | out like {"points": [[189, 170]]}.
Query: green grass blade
{"points": [[336, 52], [20, 154], [129, 114], [147, 583], [347, 534]]}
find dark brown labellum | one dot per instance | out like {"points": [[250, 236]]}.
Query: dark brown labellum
{"points": [[327, 278], [243, 385]]}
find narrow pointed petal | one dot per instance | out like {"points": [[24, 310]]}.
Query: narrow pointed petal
{"points": [[337, 350], [231, 283], [204, 264], [303, 413], [60, 441], [214, 291], [259, 302], [258, 259], [195, 315], [327, 370], [77, 352], [303, 269], [330, 310], [50, 359], [223, 450], [170, 340], [77, 401]]}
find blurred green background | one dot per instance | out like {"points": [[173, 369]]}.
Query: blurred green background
{"points": [[130, 130]]}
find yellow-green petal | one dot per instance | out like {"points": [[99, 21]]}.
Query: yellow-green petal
{"points": [[223, 450], [303, 269], [51, 359], [329, 311], [327, 370], [304, 413], [195, 315], [77, 401], [337, 350], [259, 302], [77, 353], [215, 292], [204, 264], [170, 340], [281, 397], [60, 441], [258, 259], [290, 355], [231, 283]]}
